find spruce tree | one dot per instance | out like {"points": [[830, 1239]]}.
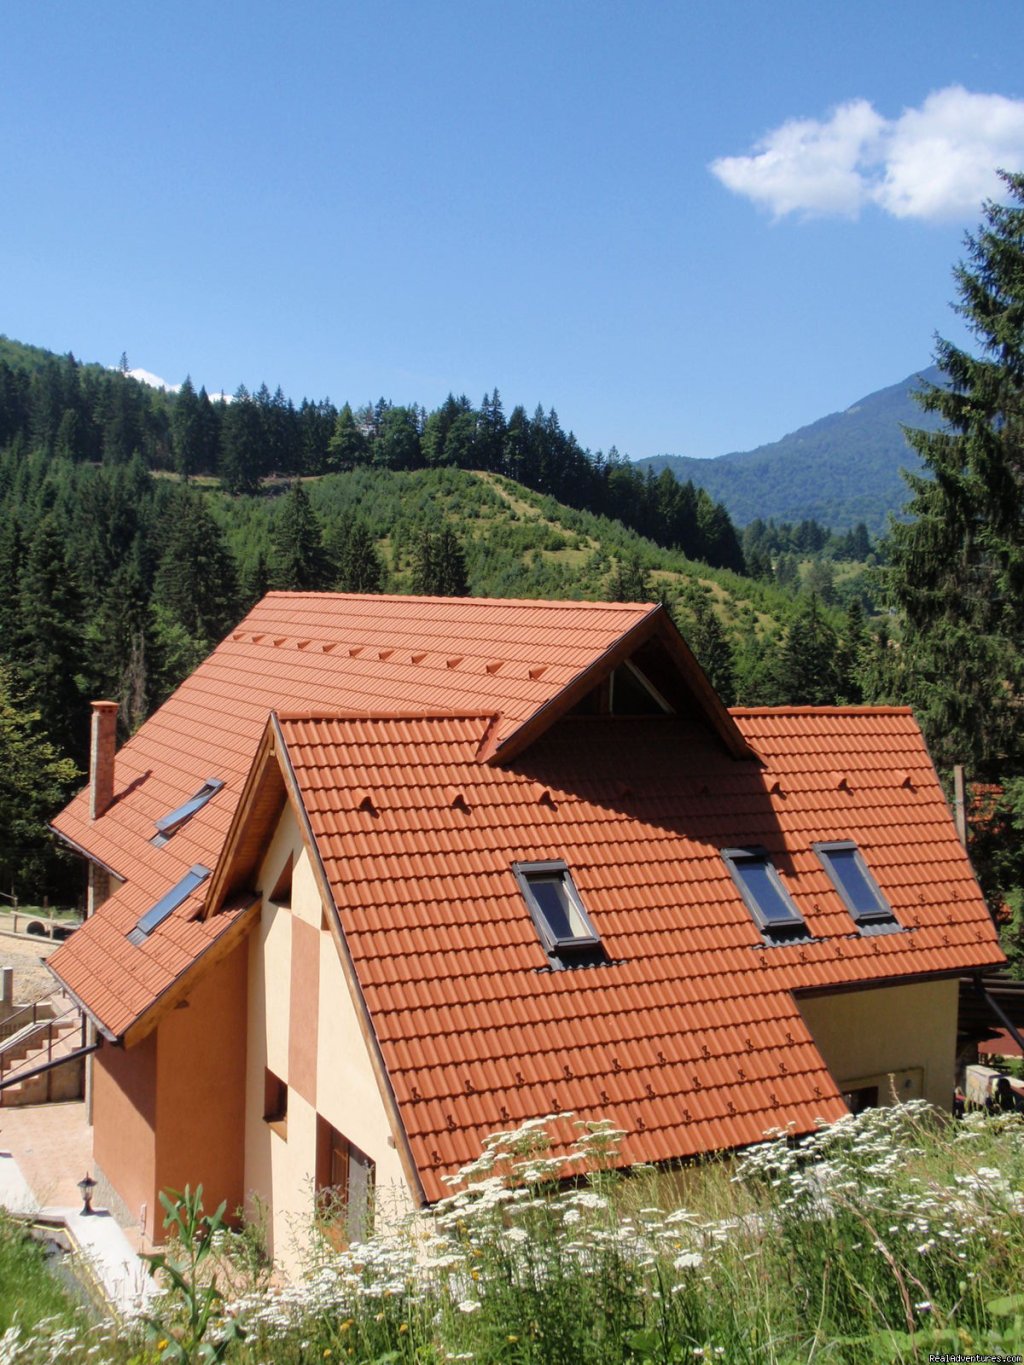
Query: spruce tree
{"points": [[299, 562], [196, 585], [956, 568]]}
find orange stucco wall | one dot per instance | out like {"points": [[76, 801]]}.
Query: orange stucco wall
{"points": [[124, 1118], [170, 1111], [201, 1087]]}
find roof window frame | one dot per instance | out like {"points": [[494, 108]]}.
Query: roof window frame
{"points": [[170, 823], [557, 946], [149, 922], [883, 914], [775, 930]]}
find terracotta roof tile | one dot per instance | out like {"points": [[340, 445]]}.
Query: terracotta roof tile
{"points": [[697, 997], [211, 725]]}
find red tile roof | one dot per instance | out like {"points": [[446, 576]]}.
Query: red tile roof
{"points": [[690, 1038], [334, 650]]}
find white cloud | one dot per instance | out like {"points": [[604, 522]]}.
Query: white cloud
{"points": [[155, 382], [935, 162]]}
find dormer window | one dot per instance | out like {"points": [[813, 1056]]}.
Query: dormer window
{"points": [[558, 913], [168, 903], [170, 824], [857, 888], [764, 895]]}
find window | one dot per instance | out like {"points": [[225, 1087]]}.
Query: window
{"points": [[858, 890], [168, 903], [345, 1179], [170, 824], [556, 909], [764, 894], [275, 1101]]}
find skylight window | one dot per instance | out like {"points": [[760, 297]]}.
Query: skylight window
{"points": [[764, 895], [557, 911], [171, 823], [858, 890], [168, 903]]}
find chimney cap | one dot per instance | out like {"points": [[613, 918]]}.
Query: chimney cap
{"points": [[104, 705]]}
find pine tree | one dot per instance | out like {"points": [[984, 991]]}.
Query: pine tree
{"points": [[348, 447], [50, 648], [299, 562], [439, 565], [631, 581], [360, 567], [956, 569], [196, 585], [805, 667]]}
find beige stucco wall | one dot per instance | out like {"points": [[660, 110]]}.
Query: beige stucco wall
{"points": [[280, 1160], [908, 1032]]}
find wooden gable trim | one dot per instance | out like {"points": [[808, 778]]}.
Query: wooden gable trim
{"points": [[656, 622], [257, 812], [379, 1066]]}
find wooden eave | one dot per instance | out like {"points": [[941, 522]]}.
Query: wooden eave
{"points": [[656, 623]]}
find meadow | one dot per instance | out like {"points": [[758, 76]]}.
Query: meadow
{"points": [[895, 1235]]}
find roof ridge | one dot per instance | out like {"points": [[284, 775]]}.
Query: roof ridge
{"points": [[532, 602], [432, 713], [821, 710]]}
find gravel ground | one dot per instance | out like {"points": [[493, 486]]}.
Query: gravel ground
{"points": [[31, 979]]}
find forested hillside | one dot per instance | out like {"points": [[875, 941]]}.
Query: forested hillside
{"points": [[840, 470], [137, 527]]}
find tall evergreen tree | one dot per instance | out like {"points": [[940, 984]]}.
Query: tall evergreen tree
{"points": [[299, 561], [50, 653], [805, 667], [196, 584], [956, 568], [439, 565]]}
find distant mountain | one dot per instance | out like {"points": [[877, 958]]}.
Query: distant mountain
{"points": [[840, 470]]}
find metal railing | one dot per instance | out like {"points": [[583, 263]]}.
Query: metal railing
{"points": [[37, 1035]]}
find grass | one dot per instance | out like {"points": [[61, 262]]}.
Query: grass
{"points": [[886, 1237], [29, 1293]]}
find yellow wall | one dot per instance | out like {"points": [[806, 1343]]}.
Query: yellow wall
{"points": [[339, 1085], [905, 1031]]}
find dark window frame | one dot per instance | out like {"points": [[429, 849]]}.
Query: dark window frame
{"points": [[554, 945], [883, 912], [787, 930]]}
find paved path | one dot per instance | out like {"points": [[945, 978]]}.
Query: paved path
{"points": [[44, 1151]]}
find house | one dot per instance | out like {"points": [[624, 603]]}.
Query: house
{"points": [[386, 875]]}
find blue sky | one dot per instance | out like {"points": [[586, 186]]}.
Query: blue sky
{"points": [[689, 227]]}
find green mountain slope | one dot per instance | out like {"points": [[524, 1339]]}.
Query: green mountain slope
{"points": [[840, 470]]}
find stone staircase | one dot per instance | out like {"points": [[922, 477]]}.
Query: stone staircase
{"points": [[40, 1053]]}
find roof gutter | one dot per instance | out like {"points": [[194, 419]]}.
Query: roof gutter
{"points": [[84, 853]]}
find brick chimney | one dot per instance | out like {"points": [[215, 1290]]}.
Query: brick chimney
{"points": [[101, 756]]}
